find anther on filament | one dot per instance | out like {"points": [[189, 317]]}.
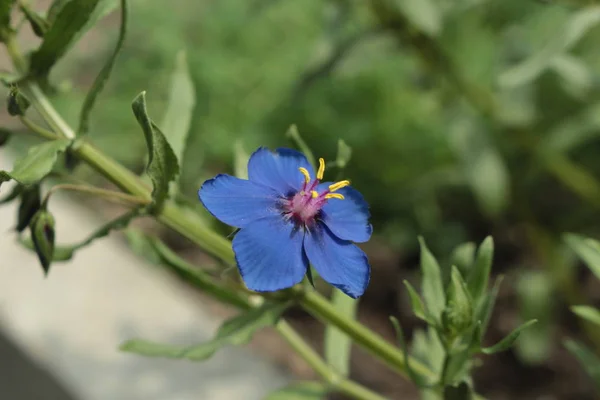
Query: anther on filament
{"points": [[338, 185], [304, 172], [321, 170], [334, 196]]}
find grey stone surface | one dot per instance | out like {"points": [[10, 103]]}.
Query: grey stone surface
{"points": [[72, 322]]}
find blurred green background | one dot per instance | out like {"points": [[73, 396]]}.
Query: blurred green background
{"points": [[466, 118]]}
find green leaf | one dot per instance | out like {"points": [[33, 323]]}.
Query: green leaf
{"points": [[508, 341], [480, 273], [587, 358], [42, 235], [458, 314], [54, 9], [294, 135], [5, 11], [416, 303], [566, 36], [432, 287], [587, 249], [416, 378], [29, 206], [240, 160], [100, 81], [424, 14], [588, 313], [484, 309], [236, 331], [37, 163], [182, 99], [14, 193], [38, 24], [162, 162], [70, 20], [337, 344], [344, 154], [307, 390]]}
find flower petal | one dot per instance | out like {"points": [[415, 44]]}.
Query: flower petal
{"points": [[347, 219], [269, 254], [238, 202], [279, 169], [339, 262]]}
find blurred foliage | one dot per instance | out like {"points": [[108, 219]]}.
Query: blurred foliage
{"points": [[430, 160]]}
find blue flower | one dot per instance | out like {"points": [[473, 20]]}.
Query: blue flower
{"points": [[288, 219]]}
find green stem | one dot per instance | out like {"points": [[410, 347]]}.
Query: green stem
{"points": [[35, 128], [107, 194], [194, 229], [322, 309], [230, 296]]}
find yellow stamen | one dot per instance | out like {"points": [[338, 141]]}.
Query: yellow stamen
{"points": [[314, 194], [334, 196], [305, 173], [338, 185], [321, 170]]}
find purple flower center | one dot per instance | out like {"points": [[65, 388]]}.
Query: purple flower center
{"points": [[305, 205]]}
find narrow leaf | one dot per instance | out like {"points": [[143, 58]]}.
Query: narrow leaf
{"points": [[54, 9], [480, 274], [432, 287], [29, 206], [300, 391], [508, 341], [5, 11], [99, 82], [162, 163], [4, 136], [236, 331], [587, 249], [588, 313], [485, 307], [566, 36], [72, 17], [416, 378], [37, 163], [416, 303], [14, 193], [338, 345], [587, 358], [182, 98], [38, 24]]}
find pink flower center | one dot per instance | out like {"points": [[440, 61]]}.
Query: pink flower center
{"points": [[305, 205]]}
